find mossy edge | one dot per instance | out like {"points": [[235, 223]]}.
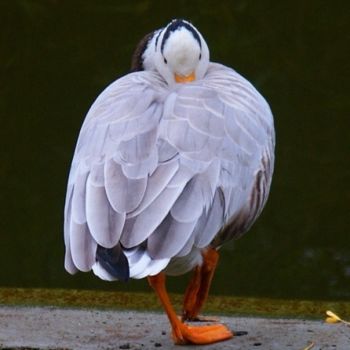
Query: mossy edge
{"points": [[225, 305]]}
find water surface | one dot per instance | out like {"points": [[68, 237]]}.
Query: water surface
{"points": [[57, 56]]}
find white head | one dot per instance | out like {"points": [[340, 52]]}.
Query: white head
{"points": [[178, 52]]}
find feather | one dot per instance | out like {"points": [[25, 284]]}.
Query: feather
{"points": [[83, 247], [138, 259], [166, 152], [114, 261], [138, 148], [124, 194], [120, 102], [104, 223], [196, 92], [201, 120], [99, 271], [141, 169], [97, 177], [68, 261], [169, 238], [155, 185], [239, 135], [187, 248], [215, 106], [188, 207], [180, 265], [184, 138], [214, 219], [154, 267], [149, 219], [141, 264], [78, 198], [195, 166], [247, 122], [181, 177]]}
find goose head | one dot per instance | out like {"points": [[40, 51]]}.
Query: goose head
{"points": [[177, 52]]}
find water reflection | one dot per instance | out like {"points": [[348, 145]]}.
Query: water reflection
{"points": [[56, 56]]}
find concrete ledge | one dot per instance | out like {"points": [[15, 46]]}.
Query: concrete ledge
{"points": [[71, 319], [56, 328]]}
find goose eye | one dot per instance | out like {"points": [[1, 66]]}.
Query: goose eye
{"points": [[165, 60], [200, 55]]}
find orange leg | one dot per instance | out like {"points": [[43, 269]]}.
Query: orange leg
{"points": [[198, 288], [182, 333]]}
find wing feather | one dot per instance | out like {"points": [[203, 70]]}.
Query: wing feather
{"points": [[211, 223], [138, 259], [169, 237], [200, 118], [183, 137], [148, 220], [77, 209], [104, 223], [154, 267], [141, 169], [156, 184], [68, 261], [83, 247], [139, 147], [189, 206], [124, 194], [187, 248], [239, 135]]}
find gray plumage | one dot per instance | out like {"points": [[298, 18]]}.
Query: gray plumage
{"points": [[161, 170]]}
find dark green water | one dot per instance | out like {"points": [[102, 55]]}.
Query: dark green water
{"points": [[57, 56]]}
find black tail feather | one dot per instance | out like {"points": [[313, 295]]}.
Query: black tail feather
{"points": [[114, 261]]}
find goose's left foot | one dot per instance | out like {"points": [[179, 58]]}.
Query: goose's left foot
{"points": [[183, 333]]}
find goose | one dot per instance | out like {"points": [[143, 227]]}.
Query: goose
{"points": [[173, 160]]}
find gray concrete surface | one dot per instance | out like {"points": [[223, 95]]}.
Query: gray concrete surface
{"points": [[54, 328]]}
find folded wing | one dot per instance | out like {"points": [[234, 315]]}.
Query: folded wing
{"points": [[158, 172]]}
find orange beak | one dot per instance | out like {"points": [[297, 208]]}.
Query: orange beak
{"points": [[185, 78]]}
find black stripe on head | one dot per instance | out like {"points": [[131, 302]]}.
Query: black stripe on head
{"points": [[175, 25], [157, 38]]}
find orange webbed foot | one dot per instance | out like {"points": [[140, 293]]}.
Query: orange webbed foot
{"points": [[183, 333], [209, 334]]}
